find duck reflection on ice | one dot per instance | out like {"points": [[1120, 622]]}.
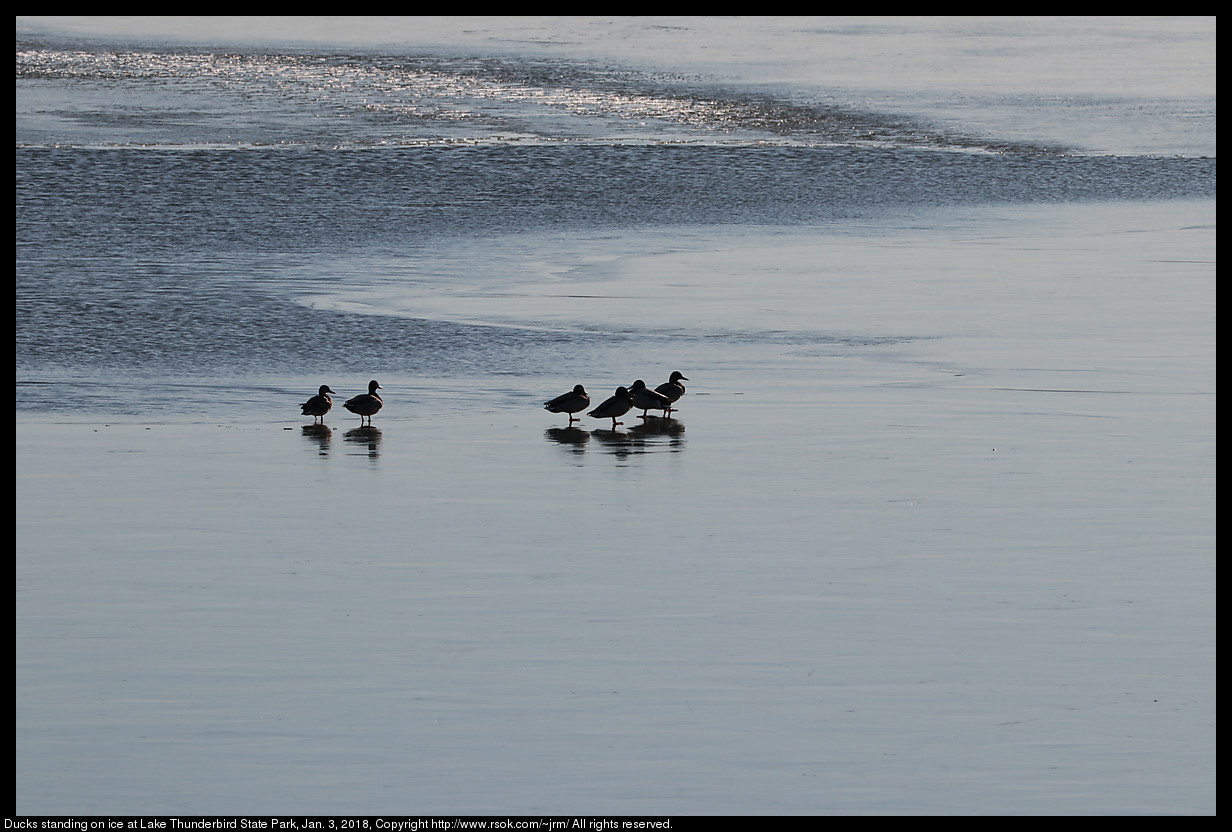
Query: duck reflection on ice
{"points": [[365, 435], [651, 436], [319, 434], [572, 437]]}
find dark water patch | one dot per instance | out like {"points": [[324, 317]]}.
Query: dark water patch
{"points": [[132, 202]]}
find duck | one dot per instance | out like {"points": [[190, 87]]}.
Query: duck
{"points": [[618, 405], [571, 402], [672, 388], [646, 399], [318, 405], [366, 404]]}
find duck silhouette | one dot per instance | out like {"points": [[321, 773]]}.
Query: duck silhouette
{"points": [[572, 402], [616, 406], [672, 388], [646, 399], [318, 405], [365, 405]]}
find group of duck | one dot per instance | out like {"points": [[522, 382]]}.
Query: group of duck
{"points": [[365, 405], [638, 396]]}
